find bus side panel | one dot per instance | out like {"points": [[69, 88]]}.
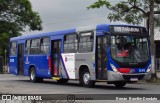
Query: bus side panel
{"points": [[68, 66], [26, 69], [26, 66], [73, 61], [87, 59], [13, 67], [41, 65]]}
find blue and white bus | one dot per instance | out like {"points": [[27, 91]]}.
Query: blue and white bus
{"points": [[117, 54]]}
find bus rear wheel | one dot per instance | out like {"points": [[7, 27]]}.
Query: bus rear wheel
{"points": [[32, 74], [33, 77], [85, 79], [120, 84]]}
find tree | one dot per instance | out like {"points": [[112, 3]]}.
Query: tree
{"points": [[151, 31], [133, 12], [130, 11], [15, 15]]}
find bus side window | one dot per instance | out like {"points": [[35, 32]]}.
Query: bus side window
{"points": [[45, 45], [35, 46], [70, 43], [27, 47], [86, 42], [13, 49]]}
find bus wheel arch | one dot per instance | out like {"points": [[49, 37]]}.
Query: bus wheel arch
{"points": [[84, 76], [31, 66], [32, 75]]}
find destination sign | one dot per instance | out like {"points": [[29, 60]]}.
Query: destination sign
{"points": [[127, 29]]}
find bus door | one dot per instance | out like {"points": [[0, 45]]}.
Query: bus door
{"points": [[20, 59], [55, 55], [101, 55]]}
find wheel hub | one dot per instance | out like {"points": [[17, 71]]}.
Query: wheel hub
{"points": [[32, 75], [86, 78]]}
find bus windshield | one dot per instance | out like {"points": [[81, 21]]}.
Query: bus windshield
{"points": [[129, 49]]}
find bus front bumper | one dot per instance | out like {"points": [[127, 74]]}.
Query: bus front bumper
{"points": [[117, 76]]}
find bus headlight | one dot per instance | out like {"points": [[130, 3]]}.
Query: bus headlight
{"points": [[149, 69], [114, 68]]}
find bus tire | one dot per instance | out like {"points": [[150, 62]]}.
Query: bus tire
{"points": [[85, 79], [120, 84], [32, 75], [62, 81]]}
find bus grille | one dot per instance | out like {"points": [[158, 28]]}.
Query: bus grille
{"points": [[128, 77]]}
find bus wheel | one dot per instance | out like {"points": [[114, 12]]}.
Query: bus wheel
{"points": [[85, 79], [120, 84], [33, 75], [62, 81]]}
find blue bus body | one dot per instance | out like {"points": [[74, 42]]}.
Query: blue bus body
{"points": [[113, 69]]}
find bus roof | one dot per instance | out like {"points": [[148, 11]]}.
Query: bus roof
{"points": [[43, 34], [61, 32]]}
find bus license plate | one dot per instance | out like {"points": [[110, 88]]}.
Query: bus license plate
{"points": [[134, 79]]}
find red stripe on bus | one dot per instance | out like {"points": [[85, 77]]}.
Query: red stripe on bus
{"points": [[49, 62], [124, 70]]}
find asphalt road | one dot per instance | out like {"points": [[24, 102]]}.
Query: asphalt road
{"points": [[12, 84]]}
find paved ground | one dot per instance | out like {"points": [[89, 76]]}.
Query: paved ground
{"points": [[12, 84]]}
